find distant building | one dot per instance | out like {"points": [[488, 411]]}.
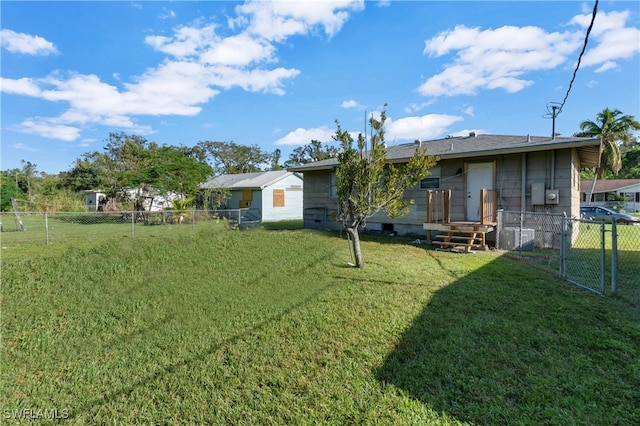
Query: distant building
{"points": [[609, 192], [272, 196]]}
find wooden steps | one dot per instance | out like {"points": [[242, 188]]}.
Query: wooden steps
{"points": [[466, 240]]}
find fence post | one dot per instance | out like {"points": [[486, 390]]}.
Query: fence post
{"points": [[46, 228], [614, 257], [602, 257], [499, 225], [563, 246], [520, 231], [133, 221]]}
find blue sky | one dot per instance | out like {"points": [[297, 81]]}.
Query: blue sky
{"points": [[278, 74]]}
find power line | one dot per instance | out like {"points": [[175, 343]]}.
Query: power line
{"points": [[584, 47]]}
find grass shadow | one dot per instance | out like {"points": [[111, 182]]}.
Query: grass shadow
{"points": [[496, 348], [283, 225]]}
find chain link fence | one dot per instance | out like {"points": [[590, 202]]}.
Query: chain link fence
{"points": [[24, 229], [598, 256]]}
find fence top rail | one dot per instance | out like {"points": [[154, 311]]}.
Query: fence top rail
{"points": [[531, 213]]}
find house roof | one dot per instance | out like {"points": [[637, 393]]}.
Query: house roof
{"points": [[482, 145], [608, 185], [257, 180]]}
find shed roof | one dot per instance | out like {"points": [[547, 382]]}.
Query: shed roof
{"points": [[482, 145], [257, 180], [609, 185]]}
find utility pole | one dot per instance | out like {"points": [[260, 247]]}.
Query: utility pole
{"points": [[554, 108]]}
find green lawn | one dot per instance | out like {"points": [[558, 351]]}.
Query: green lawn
{"points": [[270, 326]]}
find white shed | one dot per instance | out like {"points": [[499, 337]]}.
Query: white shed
{"points": [[275, 195], [94, 199]]}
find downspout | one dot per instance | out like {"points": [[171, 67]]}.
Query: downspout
{"points": [[523, 190]]}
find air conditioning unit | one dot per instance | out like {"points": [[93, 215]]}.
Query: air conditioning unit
{"points": [[517, 239]]}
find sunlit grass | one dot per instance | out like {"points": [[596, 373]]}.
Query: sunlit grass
{"points": [[273, 327]]}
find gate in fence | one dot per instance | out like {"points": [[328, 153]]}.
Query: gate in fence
{"points": [[583, 252], [583, 257]]}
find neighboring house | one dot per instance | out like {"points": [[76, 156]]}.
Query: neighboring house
{"points": [[608, 192], [275, 195], [474, 177], [96, 200]]}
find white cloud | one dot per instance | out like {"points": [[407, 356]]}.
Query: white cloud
{"points": [[278, 20], [257, 80], [23, 147], [610, 40], [21, 86], [24, 43], [186, 41], [606, 67], [423, 127], [238, 50], [468, 110], [167, 13], [418, 107], [49, 130], [494, 58], [500, 58], [199, 64], [351, 104], [302, 136]]}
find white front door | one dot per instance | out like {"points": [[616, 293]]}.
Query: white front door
{"points": [[479, 176]]}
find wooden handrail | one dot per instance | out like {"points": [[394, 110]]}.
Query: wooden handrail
{"points": [[488, 206], [439, 206]]}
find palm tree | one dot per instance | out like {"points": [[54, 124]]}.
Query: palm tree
{"points": [[614, 129]]}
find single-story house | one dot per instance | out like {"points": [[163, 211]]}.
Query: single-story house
{"points": [[274, 195], [97, 200], [475, 176], [608, 193]]}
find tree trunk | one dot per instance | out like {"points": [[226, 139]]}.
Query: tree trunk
{"points": [[355, 243]]}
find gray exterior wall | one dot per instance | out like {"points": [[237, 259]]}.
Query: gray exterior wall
{"points": [[559, 169]]}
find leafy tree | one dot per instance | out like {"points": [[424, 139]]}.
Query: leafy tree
{"points": [[29, 171], [176, 169], [311, 152], [83, 176], [130, 161], [232, 158], [631, 164], [367, 184], [9, 189], [615, 130], [275, 159]]}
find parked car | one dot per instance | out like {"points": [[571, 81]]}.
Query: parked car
{"points": [[603, 213]]}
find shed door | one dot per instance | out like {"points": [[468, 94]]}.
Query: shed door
{"points": [[479, 176]]}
